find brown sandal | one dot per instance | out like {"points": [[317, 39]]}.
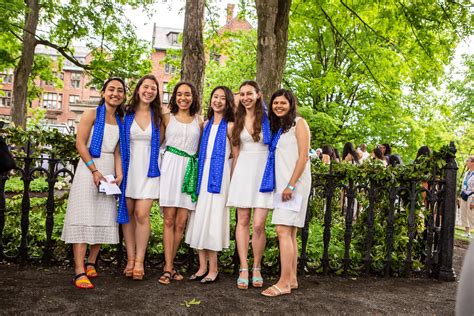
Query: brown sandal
{"points": [[128, 272], [176, 275], [165, 278], [138, 274]]}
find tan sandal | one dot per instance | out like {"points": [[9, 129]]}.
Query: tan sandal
{"points": [[165, 278], [138, 274], [274, 290], [128, 272], [176, 275]]}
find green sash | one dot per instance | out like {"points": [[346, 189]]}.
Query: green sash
{"points": [[190, 177]]}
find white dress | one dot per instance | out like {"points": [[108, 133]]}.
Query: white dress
{"points": [[244, 191], [209, 225], [173, 167], [286, 156], [91, 217], [139, 185]]}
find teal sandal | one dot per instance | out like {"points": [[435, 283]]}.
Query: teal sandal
{"points": [[257, 281], [243, 284]]}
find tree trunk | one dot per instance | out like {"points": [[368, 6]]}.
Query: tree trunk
{"points": [[23, 70], [273, 20], [193, 61]]}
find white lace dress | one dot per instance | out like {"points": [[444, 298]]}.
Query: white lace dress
{"points": [[91, 217]]}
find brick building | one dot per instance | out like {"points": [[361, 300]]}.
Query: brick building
{"points": [[165, 38], [64, 105]]}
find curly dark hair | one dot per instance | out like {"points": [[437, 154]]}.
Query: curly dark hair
{"points": [[229, 104], [195, 105], [288, 121], [241, 112], [155, 104], [119, 110]]}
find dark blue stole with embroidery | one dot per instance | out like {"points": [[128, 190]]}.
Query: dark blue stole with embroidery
{"points": [[216, 168], [95, 147], [153, 168]]}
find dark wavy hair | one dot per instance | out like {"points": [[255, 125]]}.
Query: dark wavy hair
{"points": [[241, 112], [395, 160], [388, 149], [288, 121], [350, 149], [195, 105], [423, 151], [229, 104], [329, 150], [119, 110], [378, 153], [155, 104]]}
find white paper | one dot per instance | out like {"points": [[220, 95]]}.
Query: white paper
{"points": [[293, 205], [107, 187]]}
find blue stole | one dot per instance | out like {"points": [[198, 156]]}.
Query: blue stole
{"points": [[268, 180], [95, 146], [216, 169], [267, 134], [153, 168]]}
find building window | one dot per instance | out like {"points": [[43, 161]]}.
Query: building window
{"points": [[5, 98], [170, 69], [75, 80], [73, 99], [60, 76], [5, 118], [173, 38], [6, 78], [52, 101], [95, 99], [166, 94]]}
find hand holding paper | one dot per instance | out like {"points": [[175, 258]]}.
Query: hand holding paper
{"points": [[293, 205], [109, 187]]}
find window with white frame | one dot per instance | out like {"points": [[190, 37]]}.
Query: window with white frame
{"points": [[166, 94], [73, 98], [76, 79], [52, 101], [6, 98]]}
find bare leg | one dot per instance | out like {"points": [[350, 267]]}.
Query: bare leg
{"points": [[142, 229], [79, 251], [294, 272], [93, 253], [213, 271], [259, 238], [202, 262], [129, 234], [169, 214], [179, 227], [242, 236]]}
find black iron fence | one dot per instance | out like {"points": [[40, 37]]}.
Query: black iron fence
{"points": [[353, 207]]}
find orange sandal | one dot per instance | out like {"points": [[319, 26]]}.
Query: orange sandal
{"points": [[83, 283], [128, 272], [91, 270], [138, 274]]}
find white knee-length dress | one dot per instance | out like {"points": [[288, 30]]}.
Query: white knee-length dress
{"points": [[209, 225], [286, 156], [139, 185], [91, 217], [184, 137], [244, 191]]}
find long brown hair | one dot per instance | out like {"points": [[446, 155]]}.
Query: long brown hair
{"points": [[155, 105], [241, 112]]}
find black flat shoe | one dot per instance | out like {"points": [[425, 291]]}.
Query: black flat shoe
{"points": [[209, 280], [196, 277]]}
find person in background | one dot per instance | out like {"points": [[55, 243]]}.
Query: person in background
{"points": [[327, 154], [378, 155], [467, 198], [365, 154], [395, 160], [349, 154]]}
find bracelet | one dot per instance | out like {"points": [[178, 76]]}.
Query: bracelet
{"points": [[90, 162], [94, 171], [289, 186]]}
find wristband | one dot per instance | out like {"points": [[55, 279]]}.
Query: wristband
{"points": [[94, 171], [289, 186], [90, 162]]}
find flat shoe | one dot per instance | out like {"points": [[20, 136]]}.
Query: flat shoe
{"points": [[209, 280], [274, 290], [83, 283], [165, 278], [91, 270], [196, 277], [138, 274], [176, 275]]}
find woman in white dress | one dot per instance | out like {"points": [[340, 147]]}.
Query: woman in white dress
{"points": [[141, 186], [209, 225], [251, 135], [179, 166], [91, 217], [293, 180]]}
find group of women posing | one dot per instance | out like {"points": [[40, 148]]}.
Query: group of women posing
{"points": [[194, 180]]}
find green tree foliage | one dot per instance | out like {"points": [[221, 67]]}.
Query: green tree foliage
{"points": [[366, 71], [100, 25]]}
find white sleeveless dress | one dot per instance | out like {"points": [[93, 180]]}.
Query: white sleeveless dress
{"points": [[139, 185], [91, 217], [244, 191], [173, 167], [209, 225], [286, 156]]}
